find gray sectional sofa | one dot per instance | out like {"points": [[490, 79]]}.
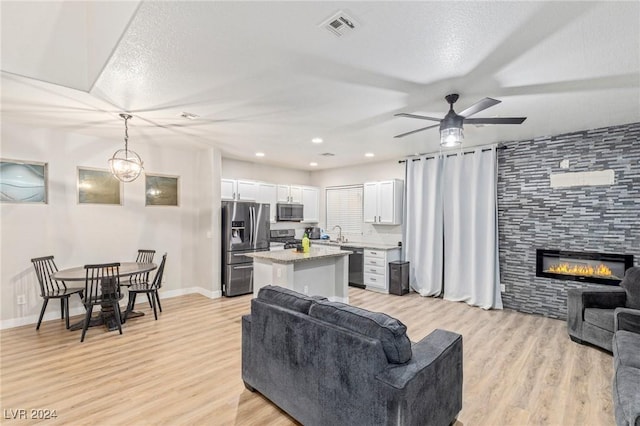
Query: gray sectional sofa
{"points": [[626, 378], [328, 363], [610, 318]]}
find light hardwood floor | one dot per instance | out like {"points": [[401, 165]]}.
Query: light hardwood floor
{"points": [[184, 369]]}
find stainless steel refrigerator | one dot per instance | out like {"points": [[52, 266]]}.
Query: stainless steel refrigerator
{"points": [[245, 229]]}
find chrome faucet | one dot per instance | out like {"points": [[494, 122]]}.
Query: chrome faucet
{"points": [[339, 233]]}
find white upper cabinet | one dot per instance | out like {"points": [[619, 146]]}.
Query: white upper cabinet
{"points": [[290, 194], [267, 193], [271, 193], [382, 204], [247, 190], [228, 189], [311, 202], [238, 190]]}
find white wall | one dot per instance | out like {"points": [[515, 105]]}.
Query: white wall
{"points": [[81, 234], [236, 169], [366, 172], [359, 174]]}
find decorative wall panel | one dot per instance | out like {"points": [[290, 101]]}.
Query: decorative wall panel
{"points": [[533, 215]]}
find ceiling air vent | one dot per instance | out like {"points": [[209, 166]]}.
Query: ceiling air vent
{"points": [[339, 24], [328, 154]]}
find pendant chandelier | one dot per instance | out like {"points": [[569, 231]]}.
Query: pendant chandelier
{"points": [[125, 164]]}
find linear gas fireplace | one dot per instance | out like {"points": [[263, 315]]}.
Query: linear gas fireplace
{"points": [[600, 268]]}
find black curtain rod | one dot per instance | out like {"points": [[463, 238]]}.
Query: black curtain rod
{"points": [[450, 155]]}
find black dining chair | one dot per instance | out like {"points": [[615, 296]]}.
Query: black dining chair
{"points": [[52, 289], [144, 256], [150, 289], [102, 287]]}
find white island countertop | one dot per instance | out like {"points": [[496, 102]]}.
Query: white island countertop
{"points": [[356, 244], [293, 256]]}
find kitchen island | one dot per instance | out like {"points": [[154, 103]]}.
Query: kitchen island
{"points": [[324, 271]]}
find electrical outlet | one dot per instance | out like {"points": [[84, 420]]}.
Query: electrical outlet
{"points": [[503, 288], [22, 300]]}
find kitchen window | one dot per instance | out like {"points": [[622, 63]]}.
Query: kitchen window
{"points": [[344, 208]]}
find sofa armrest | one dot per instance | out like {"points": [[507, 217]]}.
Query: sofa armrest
{"points": [[428, 388], [578, 299], [246, 349], [627, 319], [602, 298], [425, 353]]}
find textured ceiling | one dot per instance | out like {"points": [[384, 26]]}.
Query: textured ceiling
{"points": [[264, 76]]}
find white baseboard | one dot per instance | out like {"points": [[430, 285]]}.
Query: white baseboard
{"points": [[52, 314]]}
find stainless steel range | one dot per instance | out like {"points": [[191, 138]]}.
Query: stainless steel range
{"points": [[286, 236]]}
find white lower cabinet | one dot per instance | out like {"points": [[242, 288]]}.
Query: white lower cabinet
{"points": [[376, 268]]}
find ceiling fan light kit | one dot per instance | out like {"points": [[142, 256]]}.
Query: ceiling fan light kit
{"points": [[125, 164], [451, 126], [451, 137]]}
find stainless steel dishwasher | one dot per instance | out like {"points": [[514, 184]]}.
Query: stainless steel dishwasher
{"points": [[356, 266]]}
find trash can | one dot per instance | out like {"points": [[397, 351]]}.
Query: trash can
{"points": [[398, 277]]}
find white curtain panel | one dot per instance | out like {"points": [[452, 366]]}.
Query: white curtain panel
{"points": [[423, 225], [471, 267]]}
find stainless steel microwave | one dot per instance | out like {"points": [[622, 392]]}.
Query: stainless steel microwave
{"points": [[289, 212]]}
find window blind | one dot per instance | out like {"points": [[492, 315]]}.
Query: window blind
{"points": [[344, 208]]}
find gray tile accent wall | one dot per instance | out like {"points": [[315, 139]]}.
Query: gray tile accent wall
{"points": [[533, 215]]}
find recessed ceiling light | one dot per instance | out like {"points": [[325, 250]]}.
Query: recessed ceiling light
{"points": [[316, 140], [189, 115], [259, 154], [313, 164], [369, 154]]}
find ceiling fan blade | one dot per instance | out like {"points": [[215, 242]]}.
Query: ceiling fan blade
{"points": [[421, 117], [479, 106], [415, 131], [496, 120]]}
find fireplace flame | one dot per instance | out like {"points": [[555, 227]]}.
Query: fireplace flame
{"points": [[600, 270]]}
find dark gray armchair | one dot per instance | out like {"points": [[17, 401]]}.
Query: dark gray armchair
{"points": [[595, 314]]}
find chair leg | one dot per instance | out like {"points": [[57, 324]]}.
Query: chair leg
{"points": [[62, 308], [66, 311], [44, 306], [87, 320], [116, 312], [152, 299], [158, 300], [149, 300]]}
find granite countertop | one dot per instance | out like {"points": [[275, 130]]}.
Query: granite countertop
{"points": [[354, 244], [292, 256]]}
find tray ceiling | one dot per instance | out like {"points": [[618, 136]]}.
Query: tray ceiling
{"points": [[265, 76]]}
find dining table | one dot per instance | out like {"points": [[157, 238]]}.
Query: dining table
{"points": [[106, 316]]}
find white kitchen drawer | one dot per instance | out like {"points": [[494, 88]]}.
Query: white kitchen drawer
{"points": [[374, 280], [373, 261], [378, 270], [375, 253]]}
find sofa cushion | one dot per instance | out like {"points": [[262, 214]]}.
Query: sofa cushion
{"points": [[626, 348], [631, 285], [601, 318], [389, 331], [626, 396], [286, 298]]}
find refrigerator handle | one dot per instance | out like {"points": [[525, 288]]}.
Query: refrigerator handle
{"points": [[253, 227], [251, 222]]}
